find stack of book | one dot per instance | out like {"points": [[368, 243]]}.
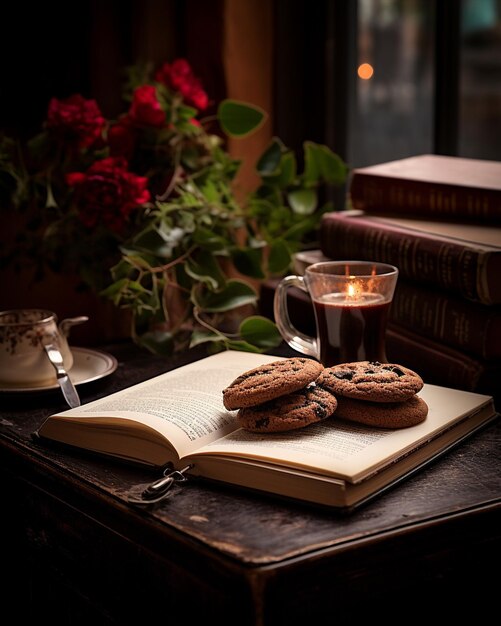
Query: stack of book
{"points": [[438, 219]]}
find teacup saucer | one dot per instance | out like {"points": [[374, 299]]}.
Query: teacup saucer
{"points": [[88, 365]]}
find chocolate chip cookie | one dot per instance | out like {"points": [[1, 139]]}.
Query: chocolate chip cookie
{"points": [[289, 412], [383, 414], [270, 381], [372, 381]]}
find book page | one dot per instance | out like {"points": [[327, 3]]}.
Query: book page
{"points": [[347, 450], [185, 405]]}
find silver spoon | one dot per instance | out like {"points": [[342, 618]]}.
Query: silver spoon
{"points": [[68, 388]]}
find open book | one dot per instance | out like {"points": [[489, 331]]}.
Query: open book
{"points": [[178, 419]]}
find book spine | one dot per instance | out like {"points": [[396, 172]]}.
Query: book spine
{"points": [[419, 257], [441, 365], [373, 193], [474, 328]]}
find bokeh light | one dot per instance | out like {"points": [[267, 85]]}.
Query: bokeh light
{"points": [[365, 71]]}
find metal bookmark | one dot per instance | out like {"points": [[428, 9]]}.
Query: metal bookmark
{"points": [[159, 489]]}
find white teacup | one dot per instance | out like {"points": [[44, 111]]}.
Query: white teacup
{"points": [[23, 334]]}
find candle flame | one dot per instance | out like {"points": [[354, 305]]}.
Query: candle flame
{"points": [[351, 290]]}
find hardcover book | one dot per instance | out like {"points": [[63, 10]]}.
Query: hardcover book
{"points": [[430, 185], [468, 326], [178, 419], [463, 259], [442, 364]]}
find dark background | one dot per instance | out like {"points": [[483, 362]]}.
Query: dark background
{"points": [[56, 49]]}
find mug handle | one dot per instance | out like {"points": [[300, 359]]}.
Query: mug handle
{"points": [[294, 337]]}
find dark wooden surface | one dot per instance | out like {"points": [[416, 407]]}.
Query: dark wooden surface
{"points": [[77, 551]]}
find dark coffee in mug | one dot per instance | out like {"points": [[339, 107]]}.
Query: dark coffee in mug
{"points": [[351, 333]]}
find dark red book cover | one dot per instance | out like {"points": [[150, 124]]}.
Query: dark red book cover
{"points": [[430, 185], [462, 259]]}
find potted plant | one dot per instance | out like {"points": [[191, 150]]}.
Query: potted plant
{"points": [[142, 207]]}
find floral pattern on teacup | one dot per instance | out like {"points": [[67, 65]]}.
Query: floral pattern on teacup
{"points": [[28, 326]]}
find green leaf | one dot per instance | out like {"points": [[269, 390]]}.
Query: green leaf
{"points": [[269, 193], [284, 173], [288, 168], [203, 336], [149, 320], [321, 163], [311, 174], [248, 261], [210, 191], [205, 269], [186, 221], [261, 332], [137, 260], [243, 346], [279, 257], [259, 208], [186, 113], [121, 270], [159, 242], [269, 161], [239, 119], [209, 240], [135, 287], [303, 201], [114, 291], [299, 230], [182, 278], [332, 167], [236, 293], [157, 342]]}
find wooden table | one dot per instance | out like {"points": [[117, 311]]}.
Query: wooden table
{"points": [[75, 552]]}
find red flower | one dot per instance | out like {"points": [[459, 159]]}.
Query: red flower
{"points": [[179, 76], [145, 109], [108, 192], [76, 119], [198, 98], [122, 138]]}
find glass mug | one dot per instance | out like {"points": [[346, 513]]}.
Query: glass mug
{"points": [[351, 301]]}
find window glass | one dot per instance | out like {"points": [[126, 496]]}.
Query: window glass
{"points": [[393, 108], [392, 112], [480, 80]]}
